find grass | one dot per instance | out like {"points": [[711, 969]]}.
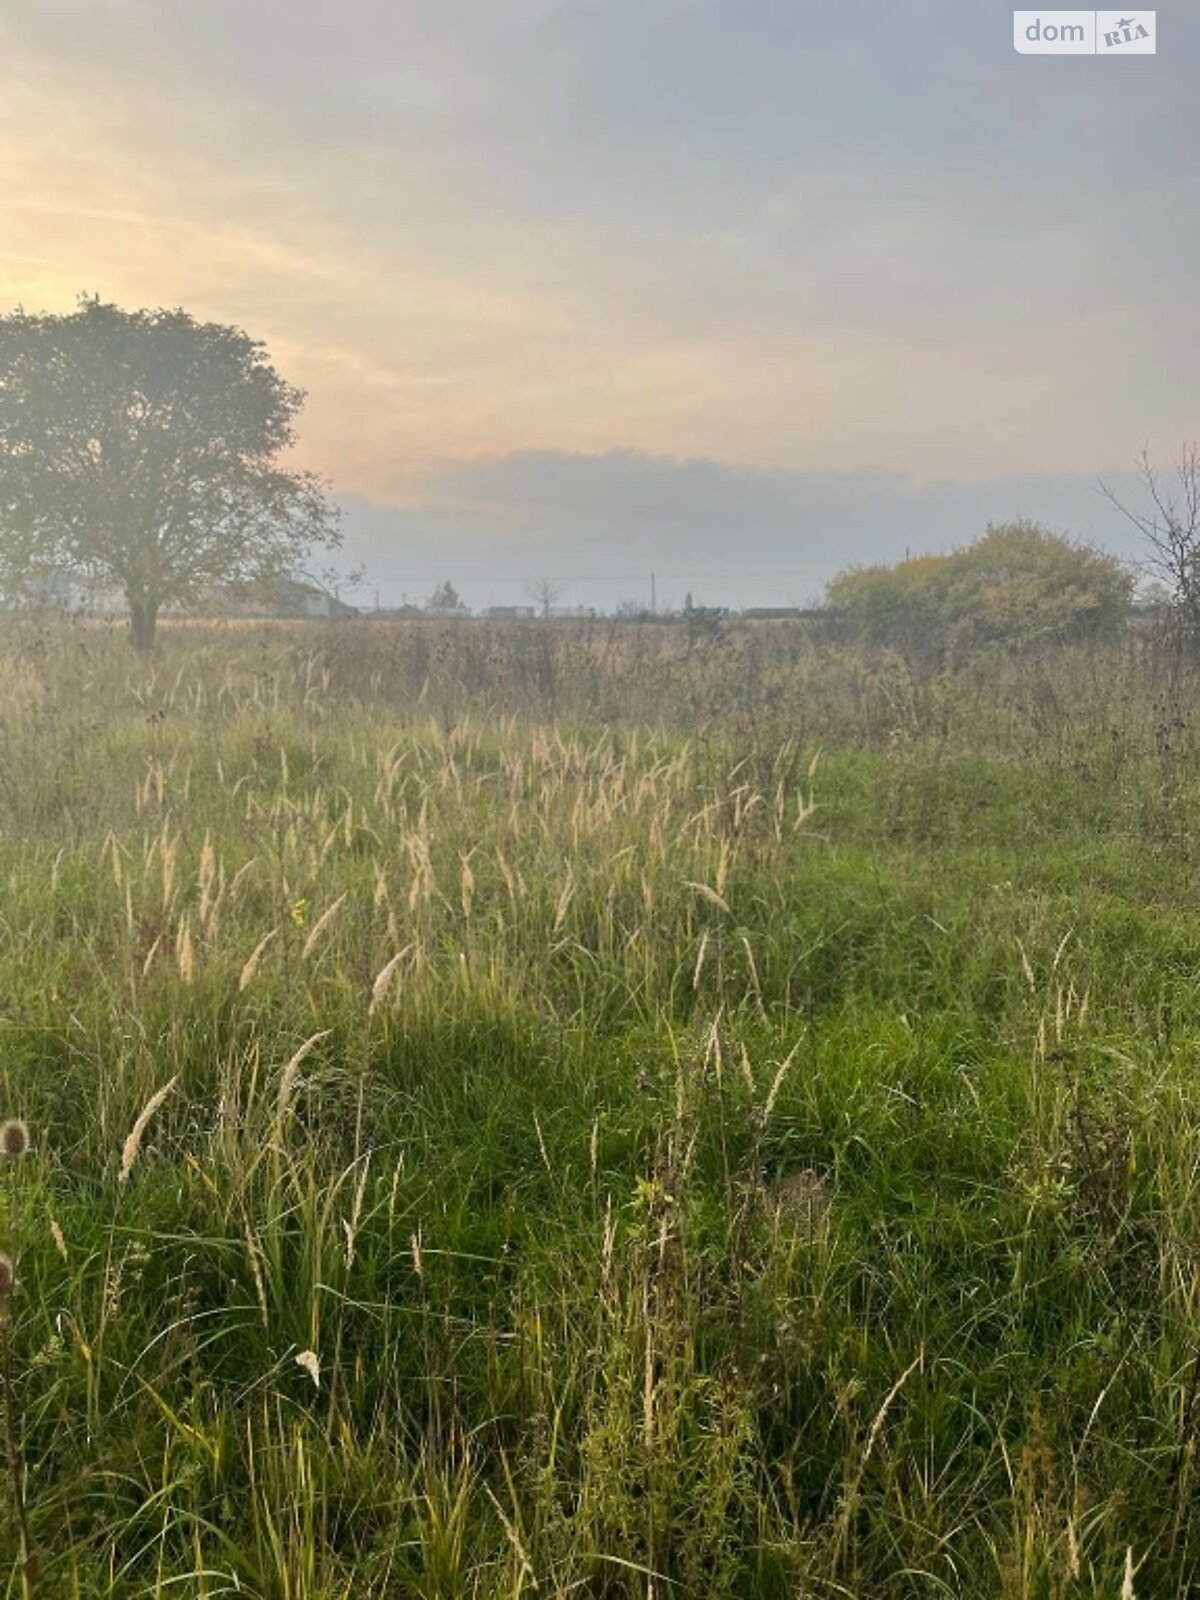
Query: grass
{"points": [[545, 1112]]}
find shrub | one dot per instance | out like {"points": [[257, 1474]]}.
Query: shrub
{"points": [[1017, 584]]}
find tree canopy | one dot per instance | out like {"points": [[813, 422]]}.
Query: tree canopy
{"points": [[141, 450], [1016, 584], [445, 598]]}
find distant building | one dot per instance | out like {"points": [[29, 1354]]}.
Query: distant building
{"points": [[510, 613], [779, 613], [297, 598], [61, 590], [402, 613], [284, 599]]}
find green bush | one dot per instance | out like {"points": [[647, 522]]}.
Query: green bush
{"points": [[1017, 584]]}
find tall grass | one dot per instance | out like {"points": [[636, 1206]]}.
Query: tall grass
{"points": [[559, 1111]]}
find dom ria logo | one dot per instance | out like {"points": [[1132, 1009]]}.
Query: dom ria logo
{"points": [[1132, 36], [1084, 33]]}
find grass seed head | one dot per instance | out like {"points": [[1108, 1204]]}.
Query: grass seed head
{"points": [[310, 1362], [129, 1151], [14, 1137], [8, 1276]]}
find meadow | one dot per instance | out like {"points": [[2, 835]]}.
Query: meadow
{"points": [[597, 1110]]}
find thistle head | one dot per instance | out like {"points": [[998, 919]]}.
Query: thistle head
{"points": [[14, 1137]]}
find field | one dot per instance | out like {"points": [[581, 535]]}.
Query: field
{"points": [[597, 1111]]}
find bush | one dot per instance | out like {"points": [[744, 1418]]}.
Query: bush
{"points": [[1017, 584]]}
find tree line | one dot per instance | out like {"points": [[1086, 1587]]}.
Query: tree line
{"points": [[146, 451]]}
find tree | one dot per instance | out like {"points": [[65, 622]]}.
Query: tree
{"points": [[445, 598], [140, 449], [545, 594], [1170, 527], [1016, 584]]}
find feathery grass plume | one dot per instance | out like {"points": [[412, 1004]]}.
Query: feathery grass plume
{"points": [[564, 901], [150, 955], [239, 875], [849, 1504], [380, 987], [700, 960], [185, 953], [14, 1137], [207, 876], [322, 922], [777, 1084], [287, 1080], [309, 1361], [129, 1150], [8, 1275], [252, 961], [708, 894]]}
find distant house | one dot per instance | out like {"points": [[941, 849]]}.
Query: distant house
{"points": [[510, 613], [779, 613], [402, 613], [61, 590], [295, 597], [284, 599], [58, 591]]}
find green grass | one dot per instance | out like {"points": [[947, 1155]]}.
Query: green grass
{"points": [[770, 1167]]}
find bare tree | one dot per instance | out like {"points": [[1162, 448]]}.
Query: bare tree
{"points": [[1170, 526], [545, 593]]}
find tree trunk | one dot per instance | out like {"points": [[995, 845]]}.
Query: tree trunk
{"points": [[143, 618]]}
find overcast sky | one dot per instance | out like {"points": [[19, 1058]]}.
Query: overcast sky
{"points": [[738, 291]]}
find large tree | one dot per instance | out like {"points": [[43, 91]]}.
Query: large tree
{"points": [[141, 450]]}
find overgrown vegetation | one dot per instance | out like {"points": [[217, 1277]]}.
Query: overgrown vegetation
{"points": [[1016, 585], [599, 1111]]}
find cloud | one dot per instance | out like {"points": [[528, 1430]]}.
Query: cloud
{"points": [[782, 239]]}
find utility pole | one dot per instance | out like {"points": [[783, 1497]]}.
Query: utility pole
{"points": [[653, 596]]}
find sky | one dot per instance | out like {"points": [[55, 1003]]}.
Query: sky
{"points": [[737, 292]]}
